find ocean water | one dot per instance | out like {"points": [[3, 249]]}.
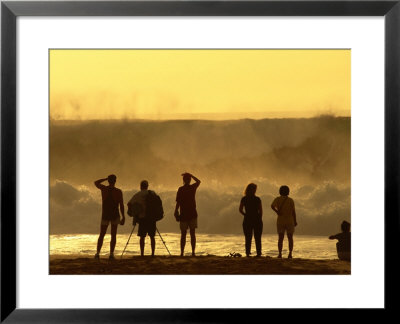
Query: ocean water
{"points": [[84, 245]]}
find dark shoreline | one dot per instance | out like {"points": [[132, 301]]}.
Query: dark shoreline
{"points": [[201, 265]]}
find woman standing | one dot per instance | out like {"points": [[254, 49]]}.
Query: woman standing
{"points": [[252, 221]]}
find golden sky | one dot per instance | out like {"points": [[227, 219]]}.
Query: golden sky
{"points": [[210, 84]]}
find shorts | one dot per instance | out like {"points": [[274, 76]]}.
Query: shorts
{"points": [[147, 227], [289, 228], [191, 223], [114, 221]]}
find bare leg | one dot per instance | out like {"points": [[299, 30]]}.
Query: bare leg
{"points": [[113, 237], [280, 243], [290, 239], [193, 241], [103, 231], [141, 242], [153, 245], [183, 241]]}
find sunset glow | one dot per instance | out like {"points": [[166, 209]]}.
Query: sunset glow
{"points": [[210, 84]]}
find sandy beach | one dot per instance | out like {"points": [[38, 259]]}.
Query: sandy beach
{"points": [[196, 265]]}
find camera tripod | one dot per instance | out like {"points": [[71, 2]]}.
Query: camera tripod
{"points": [[131, 235]]}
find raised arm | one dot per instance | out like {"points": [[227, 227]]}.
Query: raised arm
{"points": [[98, 184], [195, 179]]}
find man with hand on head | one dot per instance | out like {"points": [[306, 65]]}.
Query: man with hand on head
{"points": [[111, 199], [185, 210]]}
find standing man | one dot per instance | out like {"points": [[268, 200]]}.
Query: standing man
{"points": [[111, 199], [147, 225], [187, 214], [283, 206]]}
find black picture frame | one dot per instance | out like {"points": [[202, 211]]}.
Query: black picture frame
{"points": [[10, 10]]}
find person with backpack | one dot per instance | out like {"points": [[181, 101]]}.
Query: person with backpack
{"points": [[111, 199], [185, 210], [146, 209], [251, 208], [283, 206]]}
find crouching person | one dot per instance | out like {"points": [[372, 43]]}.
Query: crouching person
{"points": [[343, 246]]}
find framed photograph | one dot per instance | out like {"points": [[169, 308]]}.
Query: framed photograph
{"points": [[204, 156]]}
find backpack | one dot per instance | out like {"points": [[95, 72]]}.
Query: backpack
{"points": [[134, 209], [154, 208]]}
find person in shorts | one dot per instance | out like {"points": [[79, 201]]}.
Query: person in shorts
{"points": [[283, 206], [147, 226], [111, 200], [185, 210], [343, 246]]}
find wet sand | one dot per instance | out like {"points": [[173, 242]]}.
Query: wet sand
{"points": [[195, 265]]}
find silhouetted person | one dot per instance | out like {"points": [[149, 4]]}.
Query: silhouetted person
{"points": [[252, 221], [343, 246], [111, 199], [147, 225], [187, 214], [284, 208]]}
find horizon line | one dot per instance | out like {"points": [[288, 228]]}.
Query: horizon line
{"points": [[187, 118]]}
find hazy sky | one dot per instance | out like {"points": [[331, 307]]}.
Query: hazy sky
{"points": [[211, 84]]}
